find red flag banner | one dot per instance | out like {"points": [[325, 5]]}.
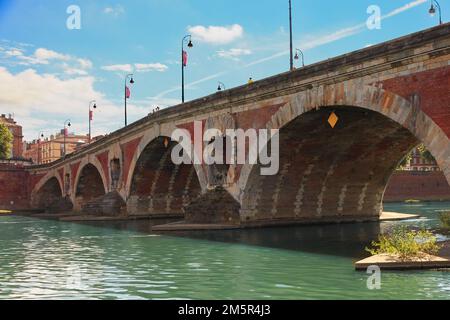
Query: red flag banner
{"points": [[91, 115], [128, 93], [66, 132], [185, 58]]}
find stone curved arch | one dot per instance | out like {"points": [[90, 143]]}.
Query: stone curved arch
{"points": [[50, 175], [147, 139], [37, 195], [356, 94], [92, 160]]}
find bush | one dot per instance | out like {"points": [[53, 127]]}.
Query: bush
{"points": [[6, 139], [406, 244], [445, 220]]}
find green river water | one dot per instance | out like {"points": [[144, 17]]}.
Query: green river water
{"points": [[43, 259]]}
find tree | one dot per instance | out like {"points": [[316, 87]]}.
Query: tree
{"points": [[6, 139]]}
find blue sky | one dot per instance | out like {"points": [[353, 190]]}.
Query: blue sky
{"points": [[49, 73]]}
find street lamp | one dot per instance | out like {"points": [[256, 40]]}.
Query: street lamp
{"points": [[290, 37], [41, 136], [66, 124], [184, 61], [91, 114], [297, 57], [127, 94], [432, 10], [221, 86]]}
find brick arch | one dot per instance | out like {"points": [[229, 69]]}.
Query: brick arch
{"points": [[48, 192], [156, 185], [45, 179], [92, 160], [406, 120], [98, 184], [149, 137]]}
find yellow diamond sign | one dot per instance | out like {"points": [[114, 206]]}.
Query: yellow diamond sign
{"points": [[333, 120]]}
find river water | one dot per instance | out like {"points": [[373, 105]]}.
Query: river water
{"points": [[42, 259]]}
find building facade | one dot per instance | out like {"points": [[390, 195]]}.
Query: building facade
{"points": [[418, 162], [52, 148], [16, 130]]}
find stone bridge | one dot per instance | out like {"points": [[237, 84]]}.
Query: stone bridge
{"points": [[388, 97]]}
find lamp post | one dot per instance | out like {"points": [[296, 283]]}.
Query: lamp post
{"points": [[90, 117], [66, 124], [297, 57], [184, 61], [432, 10], [41, 136], [221, 86], [290, 37], [127, 95]]}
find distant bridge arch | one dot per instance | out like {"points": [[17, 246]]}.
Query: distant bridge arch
{"points": [[90, 183], [48, 194], [155, 184]]}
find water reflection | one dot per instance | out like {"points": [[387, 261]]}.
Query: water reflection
{"points": [[42, 259], [346, 240]]}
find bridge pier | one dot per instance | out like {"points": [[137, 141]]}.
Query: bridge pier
{"points": [[216, 206]]}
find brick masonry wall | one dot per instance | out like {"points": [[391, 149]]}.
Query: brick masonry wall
{"points": [[425, 186], [13, 187]]}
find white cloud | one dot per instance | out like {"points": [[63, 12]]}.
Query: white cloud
{"points": [[43, 54], [114, 11], [85, 63], [138, 67], [217, 34], [142, 67], [233, 53], [119, 67], [40, 56], [44, 102], [74, 71], [13, 52], [404, 8]]}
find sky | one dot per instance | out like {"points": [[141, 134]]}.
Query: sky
{"points": [[50, 70]]}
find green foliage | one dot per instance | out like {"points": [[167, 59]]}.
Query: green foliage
{"points": [[425, 153], [444, 217], [6, 139], [406, 244], [405, 161]]}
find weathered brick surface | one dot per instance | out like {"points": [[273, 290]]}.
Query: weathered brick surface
{"points": [[89, 187], [433, 87], [216, 206], [111, 204], [50, 198], [159, 186], [14, 189], [426, 186], [327, 172]]}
